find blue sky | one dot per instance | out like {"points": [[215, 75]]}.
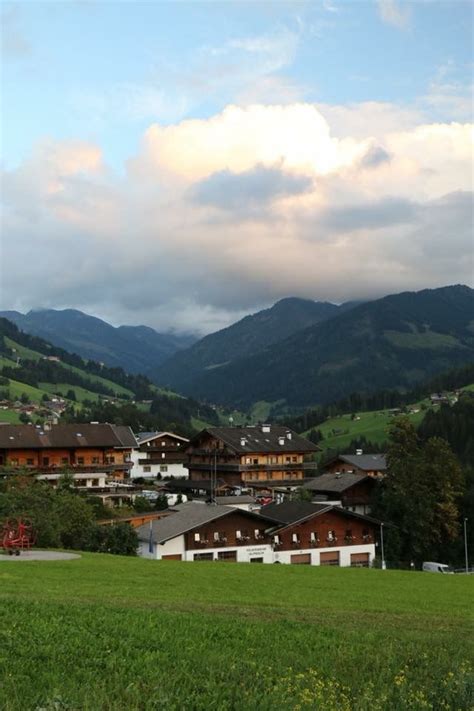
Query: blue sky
{"points": [[109, 77], [74, 61]]}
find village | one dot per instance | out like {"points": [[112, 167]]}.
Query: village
{"points": [[244, 494]]}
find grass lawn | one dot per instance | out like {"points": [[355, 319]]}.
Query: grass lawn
{"points": [[107, 632], [10, 416]]}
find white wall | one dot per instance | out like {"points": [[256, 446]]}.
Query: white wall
{"points": [[173, 547], [176, 470]]}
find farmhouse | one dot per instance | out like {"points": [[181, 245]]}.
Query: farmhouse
{"points": [[369, 464], [259, 457], [294, 533], [207, 532], [319, 534], [354, 491], [91, 452], [159, 454]]}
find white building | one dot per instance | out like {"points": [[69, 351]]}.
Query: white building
{"points": [[159, 455]]}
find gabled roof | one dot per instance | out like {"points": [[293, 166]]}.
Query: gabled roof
{"points": [[366, 462], [188, 516], [71, 435], [337, 483], [143, 437], [289, 513], [235, 500], [260, 438]]}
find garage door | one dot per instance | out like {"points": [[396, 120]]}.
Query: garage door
{"points": [[301, 559], [330, 558], [175, 556], [360, 560]]}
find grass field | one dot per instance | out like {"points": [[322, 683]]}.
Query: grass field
{"points": [[128, 634]]}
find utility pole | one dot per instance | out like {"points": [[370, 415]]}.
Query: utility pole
{"points": [[465, 545], [384, 567]]}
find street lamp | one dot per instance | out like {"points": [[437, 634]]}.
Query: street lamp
{"points": [[465, 545], [384, 567]]}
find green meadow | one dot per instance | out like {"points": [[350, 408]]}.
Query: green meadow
{"points": [[118, 633]]}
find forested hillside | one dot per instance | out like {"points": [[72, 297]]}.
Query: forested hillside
{"points": [[394, 342]]}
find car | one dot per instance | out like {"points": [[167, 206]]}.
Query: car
{"points": [[429, 567]]}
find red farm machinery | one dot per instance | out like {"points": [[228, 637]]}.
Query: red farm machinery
{"points": [[17, 535]]}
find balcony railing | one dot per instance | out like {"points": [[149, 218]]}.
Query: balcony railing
{"points": [[288, 466]]}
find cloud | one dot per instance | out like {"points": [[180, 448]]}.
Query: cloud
{"points": [[250, 190], [14, 44], [217, 216], [394, 13]]}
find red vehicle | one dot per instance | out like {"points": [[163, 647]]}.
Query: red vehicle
{"points": [[17, 535]]}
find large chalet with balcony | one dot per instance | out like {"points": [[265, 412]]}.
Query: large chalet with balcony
{"points": [[294, 533], [258, 457], [92, 453]]}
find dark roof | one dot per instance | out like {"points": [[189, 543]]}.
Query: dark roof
{"points": [[259, 441], [366, 462], [335, 482], [190, 485], [235, 500], [75, 435], [149, 436], [187, 517], [291, 511]]}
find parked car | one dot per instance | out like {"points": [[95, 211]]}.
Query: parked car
{"points": [[436, 568]]}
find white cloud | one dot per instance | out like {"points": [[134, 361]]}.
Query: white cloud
{"points": [[395, 12], [354, 202]]}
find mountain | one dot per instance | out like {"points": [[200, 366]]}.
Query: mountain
{"points": [[137, 349], [37, 378], [244, 338], [392, 342]]}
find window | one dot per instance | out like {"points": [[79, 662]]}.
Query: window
{"points": [[197, 537], [248, 460], [203, 556], [14, 462], [80, 460], [276, 540], [163, 455], [95, 482], [295, 538], [348, 537], [287, 459], [217, 536], [258, 534], [64, 460], [227, 555], [30, 462], [45, 461], [313, 537], [255, 461], [331, 537], [95, 460], [147, 469], [294, 459], [272, 460], [163, 444], [163, 467]]}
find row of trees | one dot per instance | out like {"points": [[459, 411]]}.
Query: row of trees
{"points": [[63, 517]]}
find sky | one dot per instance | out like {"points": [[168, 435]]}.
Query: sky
{"points": [[181, 164]]}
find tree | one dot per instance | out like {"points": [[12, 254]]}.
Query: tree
{"points": [[420, 495], [161, 502], [71, 395]]}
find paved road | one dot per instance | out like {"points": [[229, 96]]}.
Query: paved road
{"points": [[38, 555]]}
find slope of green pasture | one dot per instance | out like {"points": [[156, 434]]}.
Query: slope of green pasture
{"points": [[22, 351], [114, 387], [10, 416], [113, 633], [339, 431], [17, 388], [7, 363], [63, 388]]}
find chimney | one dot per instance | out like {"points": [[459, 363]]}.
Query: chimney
{"points": [[288, 434], [281, 441], [266, 428], [243, 441], [359, 452]]}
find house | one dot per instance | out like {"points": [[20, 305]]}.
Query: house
{"points": [[94, 450], [289, 533], [354, 491], [321, 534], [200, 531], [257, 457], [159, 454], [359, 463]]}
